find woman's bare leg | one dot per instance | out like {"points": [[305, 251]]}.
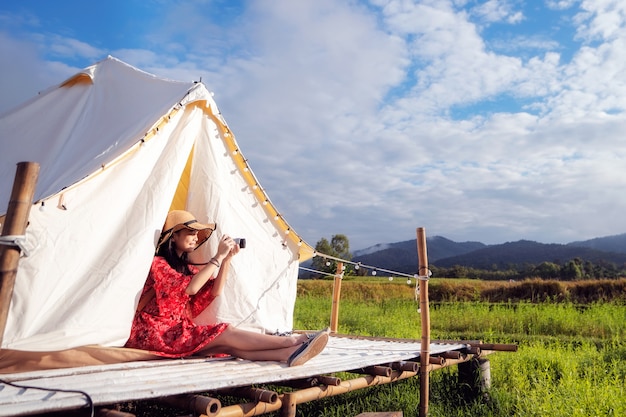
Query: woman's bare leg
{"points": [[260, 347], [279, 355], [234, 339]]}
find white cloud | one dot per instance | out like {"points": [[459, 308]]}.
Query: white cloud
{"points": [[561, 4], [346, 112], [601, 20], [24, 71], [498, 11]]}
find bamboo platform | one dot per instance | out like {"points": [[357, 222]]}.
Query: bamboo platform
{"points": [[111, 384]]}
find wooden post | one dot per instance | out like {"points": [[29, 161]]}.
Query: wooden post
{"points": [[334, 313], [15, 225], [423, 273]]}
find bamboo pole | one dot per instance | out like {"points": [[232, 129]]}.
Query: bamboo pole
{"points": [[452, 354], [374, 370], [436, 360], [334, 313], [423, 273], [255, 394], [15, 225], [105, 412], [312, 381], [250, 409], [502, 347], [197, 404], [405, 366]]}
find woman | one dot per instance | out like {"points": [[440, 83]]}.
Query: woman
{"points": [[176, 291]]}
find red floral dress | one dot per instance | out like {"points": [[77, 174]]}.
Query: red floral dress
{"points": [[165, 326]]}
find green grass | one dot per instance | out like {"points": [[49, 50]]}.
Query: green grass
{"points": [[571, 359]]}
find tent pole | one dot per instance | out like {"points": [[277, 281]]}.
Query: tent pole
{"points": [[334, 313], [423, 273], [15, 225]]}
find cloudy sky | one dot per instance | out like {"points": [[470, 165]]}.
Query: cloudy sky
{"points": [[490, 121]]}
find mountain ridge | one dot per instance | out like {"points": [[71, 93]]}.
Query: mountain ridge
{"points": [[443, 252]]}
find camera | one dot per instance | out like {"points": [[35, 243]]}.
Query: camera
{"points": [[241, 241]]}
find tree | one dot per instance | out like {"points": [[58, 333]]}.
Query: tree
{"points": [[572, 270], [547, 270], [338, 247]]}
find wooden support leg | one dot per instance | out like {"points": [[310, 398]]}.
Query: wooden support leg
{"points": [[289, 405]]}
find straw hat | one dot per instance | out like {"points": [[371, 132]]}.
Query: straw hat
{"points": [[181, 219]]}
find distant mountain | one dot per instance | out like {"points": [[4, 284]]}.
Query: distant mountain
{"points": [[528, 252], [615, 243], [402, 256], [442, 252]]}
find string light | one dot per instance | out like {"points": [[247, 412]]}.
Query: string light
{"points": [[358, 265], [42, 207]]}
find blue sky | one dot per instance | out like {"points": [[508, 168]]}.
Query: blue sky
{"points": [[490, 121]]}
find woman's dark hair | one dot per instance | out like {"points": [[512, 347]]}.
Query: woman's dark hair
{"points": [[179, 263]]}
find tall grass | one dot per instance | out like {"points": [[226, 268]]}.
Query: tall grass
{"points": [[571, 359]]}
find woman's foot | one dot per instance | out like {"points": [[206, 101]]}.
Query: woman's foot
{"points": [[313, 346]]}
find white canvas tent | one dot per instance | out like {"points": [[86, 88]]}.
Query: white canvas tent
{"points": [[118, 148]]}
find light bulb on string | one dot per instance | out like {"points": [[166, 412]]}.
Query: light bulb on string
{"points": [[42, 207], [390, 278], [374, 272], [327, 263], [408, 281]]}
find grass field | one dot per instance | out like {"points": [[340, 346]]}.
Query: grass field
{"points": [[571, 359]]}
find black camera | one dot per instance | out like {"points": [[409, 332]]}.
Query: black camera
{"points": [[241, 241]]}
